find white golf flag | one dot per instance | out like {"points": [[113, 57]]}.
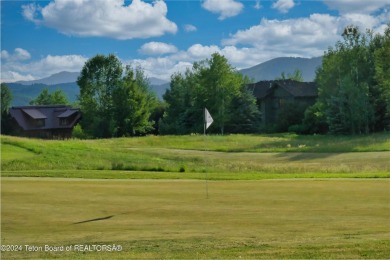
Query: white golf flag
{"points": [[208, 119]]}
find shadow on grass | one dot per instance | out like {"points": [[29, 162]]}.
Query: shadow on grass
{"points": [[93, 220], [319, 143], [304, 156]]}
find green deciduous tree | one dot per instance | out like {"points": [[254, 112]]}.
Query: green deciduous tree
{"points": [[183, 114], [133, 105], [219, 83], [244, 113], [314, 121], [212, 83], [381, 91], [6, 98], [98, 79], [114, 104], [352, 92], [296, 75], [58, 97]]}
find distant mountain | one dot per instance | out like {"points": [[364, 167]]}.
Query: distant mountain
{"points": [[157, 81], [158, 86], [23, 94], [160, 89], [24, 91], [58, 78], [272, 69]]}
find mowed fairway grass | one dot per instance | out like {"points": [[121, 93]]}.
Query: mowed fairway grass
{"points": [[266, 196], [344, 218]]}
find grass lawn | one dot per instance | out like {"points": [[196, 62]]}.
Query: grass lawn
{"points": [[173, 219], [270, 196], [155, 219]]}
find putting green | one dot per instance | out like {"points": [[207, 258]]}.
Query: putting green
{"points": [[301, 218]]}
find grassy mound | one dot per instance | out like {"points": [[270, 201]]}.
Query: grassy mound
{"points": [[188, 155]]}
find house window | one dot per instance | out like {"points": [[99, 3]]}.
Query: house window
{"points": [[63, 121], [40, 122], [281, 102], [278, 103]]}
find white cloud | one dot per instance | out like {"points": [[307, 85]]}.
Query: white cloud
{"points": [[200, 51], [30, 12], [225, 8], [55, 63], [161, 68], [357, 6], [363, 21], [4, 54], [156, 48], [103, 18], [303, 37], [12, 76], [164, 67], [190, 28], [19, 54], [292, 37], [20, 69], [283, 6], [257, 6]]}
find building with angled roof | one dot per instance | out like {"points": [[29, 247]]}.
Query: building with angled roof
{"points": [[49, 122], [274, 95]]}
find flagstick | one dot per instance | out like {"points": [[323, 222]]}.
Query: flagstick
{"points": [[204, 139], [208, 120]]}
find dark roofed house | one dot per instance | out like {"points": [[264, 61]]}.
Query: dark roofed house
{"points": [[273, 95], [50, 122]]}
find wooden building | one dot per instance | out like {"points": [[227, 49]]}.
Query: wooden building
{"points": [[49, 122], [274, 95]]}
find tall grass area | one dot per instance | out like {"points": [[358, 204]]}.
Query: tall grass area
{"points": [[249, 154]]}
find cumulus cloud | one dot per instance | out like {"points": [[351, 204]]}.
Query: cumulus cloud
{"points": [[156, 48], [19, 54], [56, 63], [257, 5], [225, 8], [20, 69], [292, 37], [4, 54], [283, 6], [357, 6], [161, 68], [12, 76], [103, 18], [164, 67], [190, 28], [201, 51], [304, 37]]}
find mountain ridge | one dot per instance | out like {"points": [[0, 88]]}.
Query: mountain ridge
{"points": [[272, 69], [24, 91], [57, 78]]}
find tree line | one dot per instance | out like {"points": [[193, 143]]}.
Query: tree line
{"points": [[213, 84], [120, 103], [354, 86], [353, 97]]}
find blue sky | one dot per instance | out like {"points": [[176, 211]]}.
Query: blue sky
{"points": [[40, 38]]}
